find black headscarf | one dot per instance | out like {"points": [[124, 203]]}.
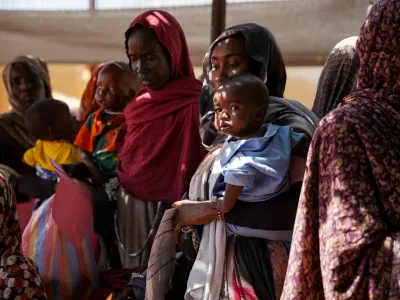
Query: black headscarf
{"points": [[338, 78], [263, 48]]}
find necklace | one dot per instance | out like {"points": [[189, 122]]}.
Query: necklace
{"points": [[112, 112]]}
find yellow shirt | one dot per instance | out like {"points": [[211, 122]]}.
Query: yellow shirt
{"points": [[62, 152]]}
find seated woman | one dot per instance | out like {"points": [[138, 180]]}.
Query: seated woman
{"points": [[346, 242], [256, 52], [162, 146], [20, 277]]}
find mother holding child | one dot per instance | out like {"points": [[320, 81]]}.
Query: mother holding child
{"points": [[259, 232]]}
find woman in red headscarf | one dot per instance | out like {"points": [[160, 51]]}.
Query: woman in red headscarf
{"points": [[88, 103], [162, 147]]}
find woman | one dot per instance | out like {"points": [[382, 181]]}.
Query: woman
{"points": [[20, 278], [88, 103], [248, 274], [27, 81], [338, 78], [162, 147], [346, 243], [250, 48]]}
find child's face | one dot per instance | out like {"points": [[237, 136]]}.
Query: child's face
{"points": [[234, 113], [109, 92]]}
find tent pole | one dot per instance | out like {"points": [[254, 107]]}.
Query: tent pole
{"points": [[218, 14], [92, 4]]}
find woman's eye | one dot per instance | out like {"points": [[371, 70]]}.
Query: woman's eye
{"points": [[233, 66], [132, 58], [234, 108], [111, 89], [214, 67], [217, 111]]}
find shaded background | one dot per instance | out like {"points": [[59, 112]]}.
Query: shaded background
{"points": [[75, 35]]}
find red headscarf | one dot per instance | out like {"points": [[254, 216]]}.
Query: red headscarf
{"points": [[162, 147], [88, 103]]}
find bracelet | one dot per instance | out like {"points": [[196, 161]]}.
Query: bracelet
{"points": [[220, 215], [214, 205]]}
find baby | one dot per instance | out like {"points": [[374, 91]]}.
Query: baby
{"points": [[51, 124], [102, 134], [100, 140], [255, 158]]}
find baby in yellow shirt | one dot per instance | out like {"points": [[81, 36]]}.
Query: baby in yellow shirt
{"points": [[51, 124]]}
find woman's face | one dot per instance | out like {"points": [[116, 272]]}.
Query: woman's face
{"points": [[147, 58], [228, 58], [27, 87]]}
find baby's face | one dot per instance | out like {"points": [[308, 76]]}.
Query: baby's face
{"points": [[234, 113], [109, 93]]}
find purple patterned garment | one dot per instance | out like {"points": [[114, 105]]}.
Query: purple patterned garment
{"points": [[346, 243]]}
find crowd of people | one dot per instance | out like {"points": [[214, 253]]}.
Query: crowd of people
{"points": [[165, 188]]}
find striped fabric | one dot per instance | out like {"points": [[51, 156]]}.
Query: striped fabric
{"points": [[60, 239], [67, 273]]}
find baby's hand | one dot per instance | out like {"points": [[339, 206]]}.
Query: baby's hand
{"points": [[84, 156]]}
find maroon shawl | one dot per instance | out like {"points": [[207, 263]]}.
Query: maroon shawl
{"points": [[346, 243], [162, 147]]}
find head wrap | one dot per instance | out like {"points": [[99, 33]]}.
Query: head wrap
{"points": [[162, 146], [338, 78]]}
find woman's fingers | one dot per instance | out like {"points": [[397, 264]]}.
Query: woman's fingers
{"points": [[176, 231]]}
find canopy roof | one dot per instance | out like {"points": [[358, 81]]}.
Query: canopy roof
{"points": [[306, 30]]}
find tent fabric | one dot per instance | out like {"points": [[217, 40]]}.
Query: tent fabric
{"points": [[306, 30]]}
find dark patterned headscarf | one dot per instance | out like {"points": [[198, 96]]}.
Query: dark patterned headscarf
{"points": [[346, 242], [19, 276], [338, 78]]}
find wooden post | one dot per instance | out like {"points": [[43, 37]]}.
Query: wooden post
{"points": [[92, 7], [218, 13], [92, 4]]}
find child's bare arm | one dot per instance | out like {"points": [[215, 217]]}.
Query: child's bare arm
{"points": [[97, 176], [232, 193]]}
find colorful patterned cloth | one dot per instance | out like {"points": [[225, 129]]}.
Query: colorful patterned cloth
{"points": [[69, 271], [103, 140], [19, 276], [347, 234]]}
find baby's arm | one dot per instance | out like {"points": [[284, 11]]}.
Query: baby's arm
{"points": [[232, 193], [96, 174]]}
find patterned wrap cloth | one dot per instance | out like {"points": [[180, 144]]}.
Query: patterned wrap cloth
{"points": [[19, 276], [347, 234]]}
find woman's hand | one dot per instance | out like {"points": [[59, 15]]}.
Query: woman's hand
{"points": [[127, 294], [191, 213]]}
